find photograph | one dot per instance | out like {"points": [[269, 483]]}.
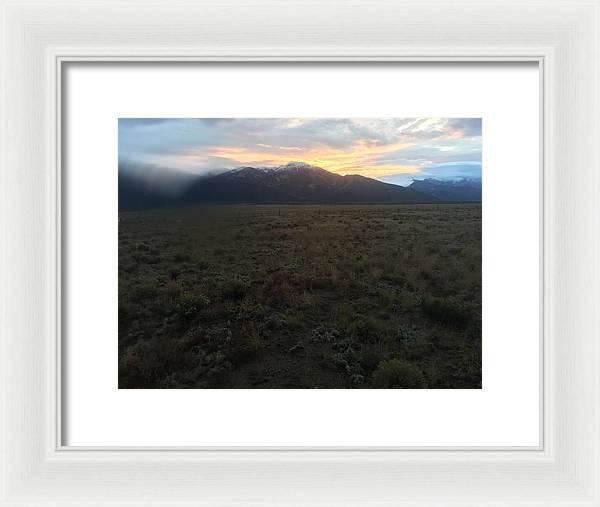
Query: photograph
{"points": [[299, 253]]}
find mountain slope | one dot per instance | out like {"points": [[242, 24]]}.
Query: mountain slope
{"points": [[298, 183]]}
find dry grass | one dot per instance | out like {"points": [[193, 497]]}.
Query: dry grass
{"points": [[301, 297]]}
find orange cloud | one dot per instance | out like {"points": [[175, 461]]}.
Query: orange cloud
{"points": [[360, 158]]}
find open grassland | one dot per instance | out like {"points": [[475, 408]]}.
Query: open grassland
{"points": [[286, 296]]}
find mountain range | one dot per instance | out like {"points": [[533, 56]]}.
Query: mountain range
{"points": [[294, 182], [462, 190]]}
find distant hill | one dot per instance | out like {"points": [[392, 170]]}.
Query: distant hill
{"points": [[295, 182], [463, 190]]}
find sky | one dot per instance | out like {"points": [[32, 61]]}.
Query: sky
{"points": [[395, 150]]}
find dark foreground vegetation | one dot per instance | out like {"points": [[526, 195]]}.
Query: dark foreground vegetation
{"points": [[285, 296]]}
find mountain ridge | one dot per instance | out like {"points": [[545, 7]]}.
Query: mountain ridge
{"points": [[460, 190], [293, 183], [298, 182]]}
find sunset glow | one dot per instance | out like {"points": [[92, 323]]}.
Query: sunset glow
{"points": [[382, 148]]}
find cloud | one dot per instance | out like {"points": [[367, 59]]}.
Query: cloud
{"points": [[468, 126], [374, 147], [446, 171]]}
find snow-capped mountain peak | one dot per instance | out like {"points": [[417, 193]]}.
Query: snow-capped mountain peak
{"points": [[290, 166], [296, 165]]}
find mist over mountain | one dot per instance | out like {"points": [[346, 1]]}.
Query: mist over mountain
{"points": [[295, 182], [162, 180], [144, 186]]}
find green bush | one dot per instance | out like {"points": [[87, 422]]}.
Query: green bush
{"points": [[396, 373]]}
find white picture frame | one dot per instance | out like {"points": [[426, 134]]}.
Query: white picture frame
{"points": [[563, 37]]}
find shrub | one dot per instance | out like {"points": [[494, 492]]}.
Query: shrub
{"points": [[324, 335], [181, 257], [146, 289], [369, 359], [202, 265], [319, 283], [189, 305], [368, 328], [275, 321], [140, 365], [396, 373], [218, 337], [277, 290], [445, 310], [406, 336], [245, 344], [235, 289]]}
